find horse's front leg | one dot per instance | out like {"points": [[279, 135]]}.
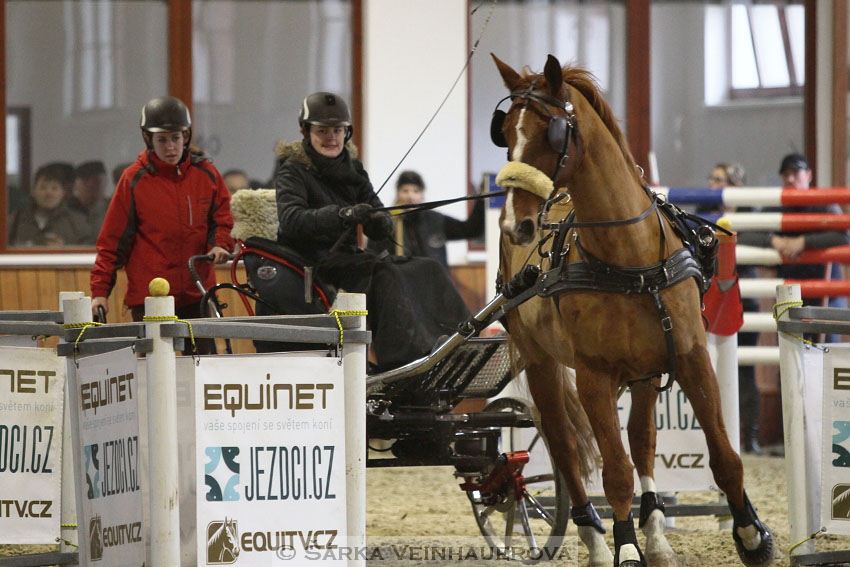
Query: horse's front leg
{"points": [[598, 394], [642, 436], [753, 540], [554, 397]]}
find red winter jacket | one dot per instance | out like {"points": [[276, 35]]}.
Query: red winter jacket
{"points": [[159, 216]]}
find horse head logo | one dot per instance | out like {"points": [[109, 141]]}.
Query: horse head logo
{"points": [[95, 539], [222, 542]]}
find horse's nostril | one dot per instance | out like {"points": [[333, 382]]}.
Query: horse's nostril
{"points": [[526, 228]]}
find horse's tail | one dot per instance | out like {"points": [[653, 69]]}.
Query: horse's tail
{"points": [[589, 459]]}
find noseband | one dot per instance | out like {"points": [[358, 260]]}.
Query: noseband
{"points": [[559, 130]]}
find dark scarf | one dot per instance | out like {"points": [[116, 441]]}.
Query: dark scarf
{"points": [[339, 172]]}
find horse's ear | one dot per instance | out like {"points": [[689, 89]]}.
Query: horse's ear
{"points": [[509, 76], [554, 77]]}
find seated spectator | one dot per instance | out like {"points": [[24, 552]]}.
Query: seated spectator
{"points": [[65, 171], [796, 174], [235, 179], [47, 220], [424, 233], [89, 193]]}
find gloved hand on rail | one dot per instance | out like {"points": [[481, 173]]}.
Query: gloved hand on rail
{"points": [[379, 226], [356, 214]]}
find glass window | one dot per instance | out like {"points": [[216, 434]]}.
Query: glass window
{"points": [[79, 72], [588, 35], [766, 49], [254, 62]]}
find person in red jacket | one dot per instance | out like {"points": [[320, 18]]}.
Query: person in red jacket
{"points": [[169, 205]]}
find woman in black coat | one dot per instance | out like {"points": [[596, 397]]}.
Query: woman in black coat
{"points": [[322, 194]]}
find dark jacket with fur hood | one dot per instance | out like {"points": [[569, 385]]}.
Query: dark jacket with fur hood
{"points": [[310, 193]]}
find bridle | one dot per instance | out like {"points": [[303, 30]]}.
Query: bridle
{"points": [[558, 132]]}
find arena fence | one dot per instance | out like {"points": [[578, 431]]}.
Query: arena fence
{"points": [[816, 416], [104, 376]]}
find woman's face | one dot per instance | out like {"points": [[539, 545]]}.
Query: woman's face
{"points": [[329, 141], [718, 179], [409, 194], [47, 193], [168, 146]]}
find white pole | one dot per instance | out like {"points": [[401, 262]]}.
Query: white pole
{"points": [[724, 353], [794, 423], [162, 438], [76, 308], [354, 375]]}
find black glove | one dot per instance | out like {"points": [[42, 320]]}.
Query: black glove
{"points": [[356, 214], [379, 226]]}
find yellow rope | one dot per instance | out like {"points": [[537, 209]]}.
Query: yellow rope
{"points": [[71, 543], [175, 319], [82, 326], [786, 305], [336, 314], [71, 526], [811, 537]]}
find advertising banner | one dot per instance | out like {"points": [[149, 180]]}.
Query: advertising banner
{"points": [[270, 459], [681, 457], [32, 382], [110, 464], [835, 483]]}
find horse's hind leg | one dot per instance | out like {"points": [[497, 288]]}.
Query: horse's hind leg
{"points": [[642, 436], [598, 393], [753, 540], [551, 395]]}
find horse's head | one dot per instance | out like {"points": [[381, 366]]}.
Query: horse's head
{"points": [[559, 124], [539, 130]]}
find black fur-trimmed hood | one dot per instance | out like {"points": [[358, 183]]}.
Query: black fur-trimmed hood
{"points": [[295, 151]]}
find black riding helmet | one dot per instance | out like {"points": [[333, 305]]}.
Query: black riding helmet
{"points": [[165, 114], [325, 109]]}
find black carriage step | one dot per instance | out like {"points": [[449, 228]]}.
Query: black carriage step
{"points": [[477, 368]]}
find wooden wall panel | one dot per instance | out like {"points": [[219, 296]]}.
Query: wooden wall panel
{"points": [[35, 288]]}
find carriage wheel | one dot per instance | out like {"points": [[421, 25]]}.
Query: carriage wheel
{"points": [[532, 525]]}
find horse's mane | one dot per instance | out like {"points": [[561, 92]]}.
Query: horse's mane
{"points": [[585, 83]]}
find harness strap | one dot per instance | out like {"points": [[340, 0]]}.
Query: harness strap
{"points": [[667, 327]]}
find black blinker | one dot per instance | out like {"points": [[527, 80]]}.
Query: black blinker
{"points": [[496, 134]]}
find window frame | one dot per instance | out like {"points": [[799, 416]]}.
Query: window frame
{"points": [[793, 89]]}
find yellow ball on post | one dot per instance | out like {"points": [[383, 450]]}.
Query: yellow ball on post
{"points": [[159, 287], [724, 222]]}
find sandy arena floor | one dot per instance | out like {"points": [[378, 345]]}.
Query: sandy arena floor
{"points": [[421, 507]]}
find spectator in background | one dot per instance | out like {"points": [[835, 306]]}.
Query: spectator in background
{"points": [[733, 175], [796, 174], [47, 220], [424, 233], [235, 179], [89, 193], [169, 205], [65, 171]]}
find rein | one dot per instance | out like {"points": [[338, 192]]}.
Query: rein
{"points": [[413, 208]]}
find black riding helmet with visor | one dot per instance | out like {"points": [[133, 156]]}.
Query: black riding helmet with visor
{"points": [[165, 114], [325, 109]]}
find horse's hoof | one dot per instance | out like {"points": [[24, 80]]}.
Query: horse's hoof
{"points": [[762, 555]]}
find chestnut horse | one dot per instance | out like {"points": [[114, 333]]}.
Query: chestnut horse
{"points": [[561, 135]]}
